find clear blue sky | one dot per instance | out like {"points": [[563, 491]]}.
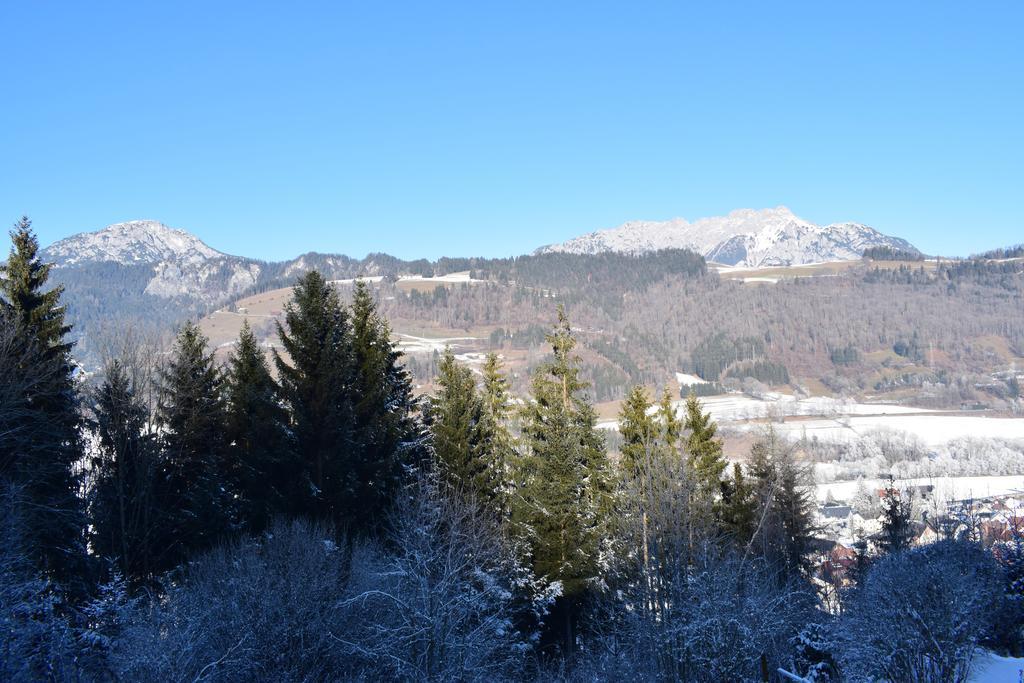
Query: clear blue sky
{"points": [[427, 128]]}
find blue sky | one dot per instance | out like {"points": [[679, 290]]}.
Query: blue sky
{"points": [[423, 129]]}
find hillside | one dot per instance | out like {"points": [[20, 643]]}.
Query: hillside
{"points": [[938, 333]]}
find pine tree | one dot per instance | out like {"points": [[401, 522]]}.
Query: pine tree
{"points": [[795, 505], [784, 522], [196, 487], [566, 494], [499, 448], [258, 432], [456, 424], [122, 506], [316, 384], [703, 449], [387, 434], [738, 508], [897, 528], [671, 425], [40, 455], [640, 434]]}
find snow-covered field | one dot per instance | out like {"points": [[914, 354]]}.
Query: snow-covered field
{"points": [[933, 430], [450, 277], [738, 407], [372, 278], [946, 488], [410, 344]]}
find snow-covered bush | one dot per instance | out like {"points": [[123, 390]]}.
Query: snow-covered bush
{"points": [[248, 610], [919, 615], [37, 641], [441, 598], [447, 600]]}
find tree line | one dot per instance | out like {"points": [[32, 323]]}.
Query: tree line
{"points": [[309, 518]]}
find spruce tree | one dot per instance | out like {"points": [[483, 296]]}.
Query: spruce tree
{"points": [[196, 488], [257, 431], [456, 425], [738, 508], [795, 510], [671, 425], [640, 434], [39, 456], [703, 448], [566, 494], [387, 435], [897, 527], [498, 447], [315, 378], [784, 523], [124, 466]]}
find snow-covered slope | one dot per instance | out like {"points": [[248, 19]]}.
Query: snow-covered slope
{"points": [[175, 263], [747, 237], [131, 243]]}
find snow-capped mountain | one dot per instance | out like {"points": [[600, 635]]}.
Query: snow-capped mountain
{"points": [[176, 263], [129, 243], [745, 237]]}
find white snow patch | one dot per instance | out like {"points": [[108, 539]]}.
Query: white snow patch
{"points": [[350, 281], [410, 344], [688, 380], [989, 667], [450, 277]]}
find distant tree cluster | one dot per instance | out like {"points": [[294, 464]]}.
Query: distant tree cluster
{"points": [[1003, 253], [886, 253], [716, 353], [762, 370]]}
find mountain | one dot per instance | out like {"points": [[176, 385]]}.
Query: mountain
{"points": [[173, 262], [745, 237], [131, 242]]}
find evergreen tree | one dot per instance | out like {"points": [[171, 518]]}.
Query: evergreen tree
{"points": [[795, 505], [258, 432], [738, 508], [703, 449], [783, 528], [387, 434], [39, 456], [566, 495], [316, 380], [456, 423], [499, 447], [124, 465], [897, 528], [671, 425], [196, 488], [640, 434]]}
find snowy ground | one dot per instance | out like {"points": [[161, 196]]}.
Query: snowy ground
{"points": [[688, 380], [946, 488], [410, 344], [991, 668], [933, 430], [737, 408], [372, 278], [450, 277]]}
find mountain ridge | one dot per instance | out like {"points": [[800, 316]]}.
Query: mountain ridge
{"points": [[743, 237]]}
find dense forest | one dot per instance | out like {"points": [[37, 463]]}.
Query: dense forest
{"points": [[309, 518]]}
